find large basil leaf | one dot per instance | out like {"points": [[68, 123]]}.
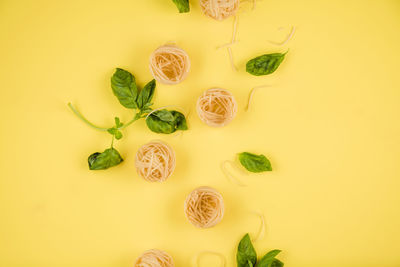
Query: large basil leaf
{"points": [[265, 64], [246, 255], [124, 88], [254, 163], [269, 260], [146, 95], [182, 5], [166, 122], [101, 161]]}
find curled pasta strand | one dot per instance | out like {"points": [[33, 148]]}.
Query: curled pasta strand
{"points": [[287, 39], [229, 175], [253, 90], [205, 252]]}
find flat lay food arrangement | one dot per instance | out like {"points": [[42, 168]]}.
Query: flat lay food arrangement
{"points": [[246, 133]]}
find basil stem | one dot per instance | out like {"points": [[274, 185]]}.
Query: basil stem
{"points": [[137, 116]]}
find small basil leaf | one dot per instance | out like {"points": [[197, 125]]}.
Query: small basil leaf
{"points": [[254, 163], [180, 120], [124, 88], [101, 161], [265, 64], [146, 94], [269, 259], [118, 123], [164, 115], [182, 5], [118, 134], [246, 253]]}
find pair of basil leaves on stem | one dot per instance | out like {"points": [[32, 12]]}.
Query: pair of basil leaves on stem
{"points": [[246, 255], [124, 87]]}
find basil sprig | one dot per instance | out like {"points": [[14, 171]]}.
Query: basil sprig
{"points": [[124, 87], [255, 163], [265, 64], [246, 255], [182, 5], [166, 122]]}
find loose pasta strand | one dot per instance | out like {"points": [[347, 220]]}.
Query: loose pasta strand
{"points": [[261, 230], [229, 175], [287, 39], [205, 252], [253, 90]]}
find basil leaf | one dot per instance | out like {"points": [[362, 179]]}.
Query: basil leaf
{"points": [[118, 123], [166, 122], [246, 253], [101, 161], [146, 94], [124, 88], [269, 259], [164, 115], [180, 120], [182, 5], [265, 64], [254, 163]]}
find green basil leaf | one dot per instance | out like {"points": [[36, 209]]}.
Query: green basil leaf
{"points": [[101, 161], [114, 131], [265, 64], [254, 163], [182, 5], [269, 259], [246, 253], [180, 120], [118, 123], [166, 122], [277, 263], [164, 115], [146, 94], [124, 88]]}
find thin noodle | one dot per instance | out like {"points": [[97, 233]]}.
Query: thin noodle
{"points": [[261, 230], [288, 38], [169, 64], [204, 207], [252, 93], [154, 258], [205, 252], [229, 175]]}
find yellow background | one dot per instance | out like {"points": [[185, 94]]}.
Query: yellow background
{"points": [[329, 123]]}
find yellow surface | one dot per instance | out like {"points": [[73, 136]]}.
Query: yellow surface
{"points": [[329, 124]]}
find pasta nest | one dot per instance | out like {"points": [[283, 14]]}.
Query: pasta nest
{"points": [[216, 107], [155, 161], [219, 9], [154, 258], [204, 207], [169, 64]]}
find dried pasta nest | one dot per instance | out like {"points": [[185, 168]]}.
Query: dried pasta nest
{"points": [[204, 207], [216, 107], [154, 258], [155, 161], [219, 9], [169, 64]]}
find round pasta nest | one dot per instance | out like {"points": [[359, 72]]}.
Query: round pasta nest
{"points": [[169, 64], [155, 161], [216, 107], [219, 9], [154, 258], [204, 207]]}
